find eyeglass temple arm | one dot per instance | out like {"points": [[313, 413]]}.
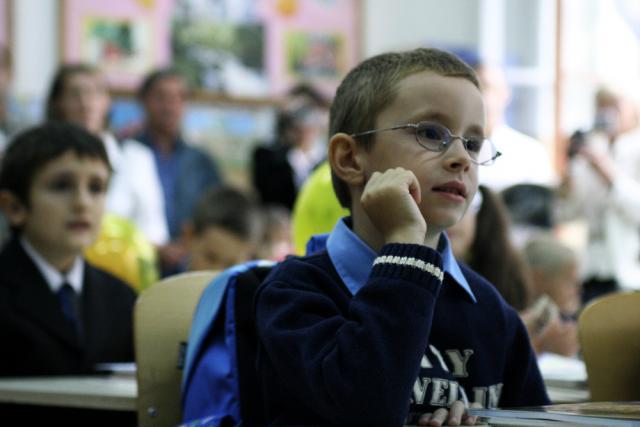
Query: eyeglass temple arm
{"points": [[369, 132]]}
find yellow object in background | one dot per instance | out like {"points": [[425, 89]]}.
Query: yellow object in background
{"points": [[122, 250], [317, 209], [287, 7]]}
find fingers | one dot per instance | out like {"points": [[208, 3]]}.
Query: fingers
{"points": [[470, 420], [390, 199], [435, 419], [456, 415]]}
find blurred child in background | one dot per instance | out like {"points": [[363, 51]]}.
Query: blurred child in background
{"points": [[482, 239], [555, 272], [224, 230], [59, 315], [79, 95], [276, 242]]}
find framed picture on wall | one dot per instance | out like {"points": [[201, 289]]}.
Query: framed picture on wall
{"points": [[124, 38], [316, 41], [260, 48]]}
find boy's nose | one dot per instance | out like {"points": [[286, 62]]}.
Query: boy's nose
{"points": [[457, 157], [82, 198]]}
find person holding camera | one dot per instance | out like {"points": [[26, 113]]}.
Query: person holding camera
{"points": [[602, 185]]}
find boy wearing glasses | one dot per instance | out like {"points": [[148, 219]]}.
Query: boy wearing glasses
{"points": [[384, 327]]}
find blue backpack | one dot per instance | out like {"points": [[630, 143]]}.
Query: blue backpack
{"points": [[219, 385]]}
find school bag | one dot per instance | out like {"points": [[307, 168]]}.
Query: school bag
{"points": [[219, 384]]}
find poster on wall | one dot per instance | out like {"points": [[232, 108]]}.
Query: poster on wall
{"points": [[220, 46], [260, 48], [124, 38]]}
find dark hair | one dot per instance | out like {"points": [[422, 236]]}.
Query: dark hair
{"points": [[229, 209], [372, 85], [32, 149], [154, 77], [313, 95], [59, 82], [494, 256], [286, 122], [530, 204]]}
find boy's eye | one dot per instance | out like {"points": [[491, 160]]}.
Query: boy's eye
{"points": [[431, 133], [61, 184], [474, 145], [97, 186]]}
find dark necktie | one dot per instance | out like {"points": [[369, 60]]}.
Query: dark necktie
{"points": [[70, 307]]}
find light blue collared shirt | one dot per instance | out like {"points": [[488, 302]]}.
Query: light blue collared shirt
{"points": [[353, 258]]}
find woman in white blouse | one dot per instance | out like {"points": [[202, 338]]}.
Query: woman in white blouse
{"points": [[79, 94]]}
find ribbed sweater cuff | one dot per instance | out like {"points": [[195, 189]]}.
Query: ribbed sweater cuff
{"points": [[415, 263]]}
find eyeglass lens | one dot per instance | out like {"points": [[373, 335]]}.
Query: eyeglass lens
{"points": [[435, 137]]}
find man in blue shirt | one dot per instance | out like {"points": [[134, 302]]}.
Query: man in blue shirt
{"points": [[185, 171]]}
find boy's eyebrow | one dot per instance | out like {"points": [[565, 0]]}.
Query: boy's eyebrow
{"points": [[431, 115]]}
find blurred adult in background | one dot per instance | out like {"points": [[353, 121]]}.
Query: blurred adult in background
{"points": [[185, 171], [524, 159], [482, 239], [79, 94], [601, 185], [281, 166], [12, 117]]}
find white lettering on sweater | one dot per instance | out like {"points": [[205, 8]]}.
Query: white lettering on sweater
{"points": [[443, 392], [459, 361]]}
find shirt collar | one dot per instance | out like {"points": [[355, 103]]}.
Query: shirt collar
{"points": [[145, 138], [352, 259], [51, 275]]}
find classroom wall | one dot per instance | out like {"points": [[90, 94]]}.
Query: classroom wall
{"points": [[385, 26], [392, 25], [35, 45]]}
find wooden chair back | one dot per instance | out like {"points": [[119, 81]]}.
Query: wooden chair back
{"points": [[609, 331], [162, 321]]}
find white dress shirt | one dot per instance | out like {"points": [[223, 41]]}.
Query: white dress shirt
{"points": [[612, 213], [524, 160], [135, 191], [51, 275]]}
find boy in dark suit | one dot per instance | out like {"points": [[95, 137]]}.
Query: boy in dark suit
{"points": [[58, 314]]}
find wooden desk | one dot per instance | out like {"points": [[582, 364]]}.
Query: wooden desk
{"points": [[93, 392]]}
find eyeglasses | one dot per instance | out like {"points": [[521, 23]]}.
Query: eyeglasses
{"points": [[437, 138]]}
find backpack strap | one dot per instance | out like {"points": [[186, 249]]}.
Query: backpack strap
{"points": [[251, 402], [213, 310]]}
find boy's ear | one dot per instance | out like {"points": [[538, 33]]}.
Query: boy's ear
{"points": [[345, 158], [13, 208]]}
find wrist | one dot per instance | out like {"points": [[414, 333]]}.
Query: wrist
{"points": [[406, 236]]}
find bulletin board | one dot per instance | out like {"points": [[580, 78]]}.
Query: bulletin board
{"points": [[237, 48]]}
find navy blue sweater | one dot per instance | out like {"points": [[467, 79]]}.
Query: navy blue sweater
{"points": [[405, 343]]}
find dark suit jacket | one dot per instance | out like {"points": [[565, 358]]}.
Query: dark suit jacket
{"points": [[35, 338]]}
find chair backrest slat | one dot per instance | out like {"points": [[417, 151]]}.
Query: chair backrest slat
{"points": [[609, 330], [162, 320]]}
